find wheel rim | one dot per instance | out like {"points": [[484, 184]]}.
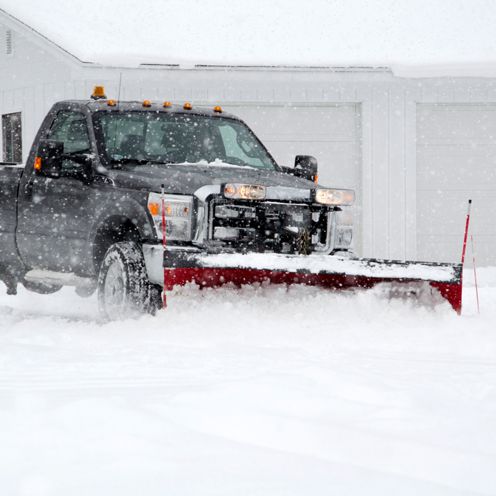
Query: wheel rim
{"points": [[114, 292]]}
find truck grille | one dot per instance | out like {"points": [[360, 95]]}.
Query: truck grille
{"points": [[276, 227]]}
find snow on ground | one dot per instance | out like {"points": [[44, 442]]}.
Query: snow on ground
{"points": [[259, 391]]}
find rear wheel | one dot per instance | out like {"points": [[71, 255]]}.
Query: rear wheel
{"points": [[124, 290]]}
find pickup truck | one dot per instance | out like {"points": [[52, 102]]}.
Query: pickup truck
{"points": [[86, 208]]}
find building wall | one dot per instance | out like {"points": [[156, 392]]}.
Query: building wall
{"points": [[26, 80], [388, 112]]}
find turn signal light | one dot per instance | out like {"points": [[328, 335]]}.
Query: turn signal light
{"points": [[98, 93], [154, 208], [37, 164], [187, 106], [167, 104], [147, 103]]}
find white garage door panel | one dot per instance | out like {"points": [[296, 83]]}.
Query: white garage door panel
{"points": [[456, 160], [457, 124], [446, 248], [445, 203], [331, 133], [472, 166]]}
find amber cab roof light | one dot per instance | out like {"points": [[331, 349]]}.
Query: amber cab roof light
{"points": [[218, 109], [111, 103], [147, 103], [187, 106], [98, 93], [167, 104]]}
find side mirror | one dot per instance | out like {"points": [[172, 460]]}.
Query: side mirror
{"points": [[306, 166], [48, 161]]}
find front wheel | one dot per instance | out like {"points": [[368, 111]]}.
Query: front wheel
{"points": [[124, 290]]}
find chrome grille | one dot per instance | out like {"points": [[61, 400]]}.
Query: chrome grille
{"points": [[279, 227]]}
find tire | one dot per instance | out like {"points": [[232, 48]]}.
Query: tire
{"points": [[41, 287], [124, 290]]}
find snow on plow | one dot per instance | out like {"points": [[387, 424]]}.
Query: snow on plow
{"points": [[411, 278]]}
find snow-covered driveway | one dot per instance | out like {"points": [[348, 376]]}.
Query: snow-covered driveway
{"points": [[248, 392]]}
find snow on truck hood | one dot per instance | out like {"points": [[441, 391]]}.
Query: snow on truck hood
{"points": [[187, 178]]}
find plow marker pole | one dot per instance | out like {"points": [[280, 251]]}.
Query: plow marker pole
{"points": [[164, 244], [464, 249], [467, 223]]}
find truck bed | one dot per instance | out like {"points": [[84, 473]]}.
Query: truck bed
{"points": [[9, 180]]}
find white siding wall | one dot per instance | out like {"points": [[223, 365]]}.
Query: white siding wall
{"points": [[27, 81], [387, 131]]}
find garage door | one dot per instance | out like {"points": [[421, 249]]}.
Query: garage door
{"points": [[331, 133], [456, 160]]}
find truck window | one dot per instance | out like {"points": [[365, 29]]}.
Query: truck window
{"points": [[237, 145], [70, 128], [12, 137], [162, 137]]}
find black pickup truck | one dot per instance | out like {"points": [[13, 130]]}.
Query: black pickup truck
{"points": [[86, 208]]}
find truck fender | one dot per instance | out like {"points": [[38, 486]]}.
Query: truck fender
{"points": [[124, 220]]}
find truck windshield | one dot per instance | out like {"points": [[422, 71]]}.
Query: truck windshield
{"points": [[166, 138]]}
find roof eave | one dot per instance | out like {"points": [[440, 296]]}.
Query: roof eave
{"points": [[16, 24], [59, 51]]}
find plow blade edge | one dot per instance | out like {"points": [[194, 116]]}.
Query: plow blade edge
{"points": [[210, 270]]}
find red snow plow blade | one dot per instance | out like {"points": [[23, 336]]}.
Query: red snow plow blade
{"points": [[316, 270]]}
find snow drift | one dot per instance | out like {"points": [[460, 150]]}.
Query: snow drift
{"points": [[258, 390]]}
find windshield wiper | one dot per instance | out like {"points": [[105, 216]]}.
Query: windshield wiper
{"points": [[137, 161]]}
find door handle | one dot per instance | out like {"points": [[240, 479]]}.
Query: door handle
{"points": [[28, 187]]}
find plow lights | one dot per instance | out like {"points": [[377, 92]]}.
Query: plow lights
{"points": [[244, 191], [344, 197]]}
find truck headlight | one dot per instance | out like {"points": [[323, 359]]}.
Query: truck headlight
{"points": [[178, 216], [244, 191], [327, 196]]}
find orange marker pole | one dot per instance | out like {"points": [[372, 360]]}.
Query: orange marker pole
{"points": [[164, 243]]}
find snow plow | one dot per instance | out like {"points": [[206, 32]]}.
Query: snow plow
{"points": [[428, 282], [410, 279]]}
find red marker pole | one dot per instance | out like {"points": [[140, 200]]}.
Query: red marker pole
{"points": [[467, 223], [164, 243]]}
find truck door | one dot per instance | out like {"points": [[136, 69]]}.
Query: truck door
{"points": [[55, 213]]}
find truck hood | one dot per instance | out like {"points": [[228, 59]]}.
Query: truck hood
{"points": [[188, 178]]}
